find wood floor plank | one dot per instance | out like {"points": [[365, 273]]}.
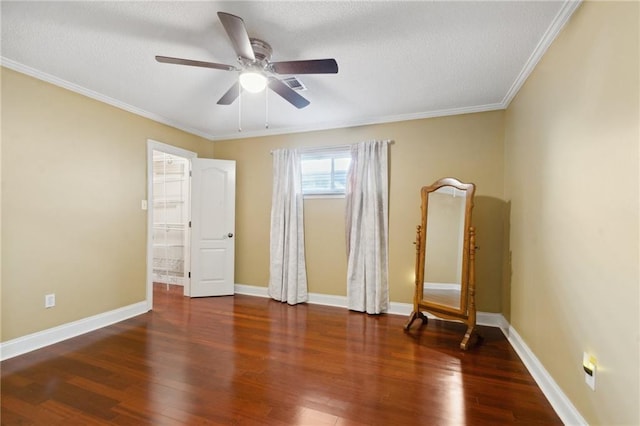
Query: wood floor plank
{"points": [[254, 361]]}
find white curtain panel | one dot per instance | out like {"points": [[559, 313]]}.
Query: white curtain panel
{"points": [[367, 220], [288, 271]]}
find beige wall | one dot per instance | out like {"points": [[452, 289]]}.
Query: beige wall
{"points": [[469, 147], [73, 176], [565, 154], [572, 178]]}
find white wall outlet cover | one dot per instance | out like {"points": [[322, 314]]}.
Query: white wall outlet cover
{"points": [[143, 204], [49, 300], [589, 365]]}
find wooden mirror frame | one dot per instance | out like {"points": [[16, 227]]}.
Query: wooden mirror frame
{"points": [[466, 312]]}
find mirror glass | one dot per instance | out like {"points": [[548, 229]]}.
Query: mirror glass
{"points": [[444, 245]]}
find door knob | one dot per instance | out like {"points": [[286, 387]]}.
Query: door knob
{"points": [[230, 235]]}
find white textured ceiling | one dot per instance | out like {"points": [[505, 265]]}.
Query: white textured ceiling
{"points": [[397, 60]]}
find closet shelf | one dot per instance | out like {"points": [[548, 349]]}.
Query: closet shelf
{"points": [[162, 166], [167, 201], [176, 226], [168, 264], [163, 179]]}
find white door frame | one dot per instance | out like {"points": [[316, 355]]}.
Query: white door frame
{"points": [[169, 149]]}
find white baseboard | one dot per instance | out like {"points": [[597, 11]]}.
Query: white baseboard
{"points": [[396, 308], [31, 342], [251, 290], [442, 286], [490, 319], [558, 400]]}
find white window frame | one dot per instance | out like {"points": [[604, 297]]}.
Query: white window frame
{"points": [[332, 152]]}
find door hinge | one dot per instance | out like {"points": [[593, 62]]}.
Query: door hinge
{"points": [[190, 175], [189, 224], [189, 274]]}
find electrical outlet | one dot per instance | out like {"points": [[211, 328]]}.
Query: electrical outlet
{"points": [[143, 204], [50, 300], [589, 365]]}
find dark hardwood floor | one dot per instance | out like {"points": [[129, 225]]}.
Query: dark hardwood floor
{"points": [[254, 361]]}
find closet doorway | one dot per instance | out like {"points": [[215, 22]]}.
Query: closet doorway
{"points": [[190, 222], [170, 218], [169, 212]]}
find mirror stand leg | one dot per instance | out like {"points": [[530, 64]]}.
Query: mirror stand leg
{"points": [[466, 340], [414, 316]]}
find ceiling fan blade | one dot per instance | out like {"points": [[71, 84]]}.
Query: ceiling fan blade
{"points": [[234, 26], [288, 93], [231, 95], [313, 66], [179, 61]]}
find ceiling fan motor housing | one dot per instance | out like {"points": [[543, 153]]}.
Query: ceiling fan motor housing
{"points": [[262, 50]]}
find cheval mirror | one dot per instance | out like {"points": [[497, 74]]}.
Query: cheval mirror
{"points": [[445, 255]]}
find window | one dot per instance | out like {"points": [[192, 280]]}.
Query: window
{"points": [[324, 171]]}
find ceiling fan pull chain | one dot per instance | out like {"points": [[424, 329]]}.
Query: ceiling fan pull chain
{"points": [[239, 108], [266, 108]]}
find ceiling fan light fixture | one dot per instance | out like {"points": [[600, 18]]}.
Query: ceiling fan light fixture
{"points": [[253, 82]]}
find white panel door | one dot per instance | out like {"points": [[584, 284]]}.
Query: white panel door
{"points": [[213, 195]]}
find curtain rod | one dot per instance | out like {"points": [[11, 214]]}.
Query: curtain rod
{"points": [[334, 147]]}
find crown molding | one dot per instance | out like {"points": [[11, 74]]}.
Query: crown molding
{"points": [[550, 35], [545, 42], [32, 72], [356, 123]]}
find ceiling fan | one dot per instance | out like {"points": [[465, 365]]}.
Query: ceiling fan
{"points": [[256, 69]]}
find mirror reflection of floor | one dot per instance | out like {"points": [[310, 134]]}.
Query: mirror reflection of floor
{"points": [[448, 297]]}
